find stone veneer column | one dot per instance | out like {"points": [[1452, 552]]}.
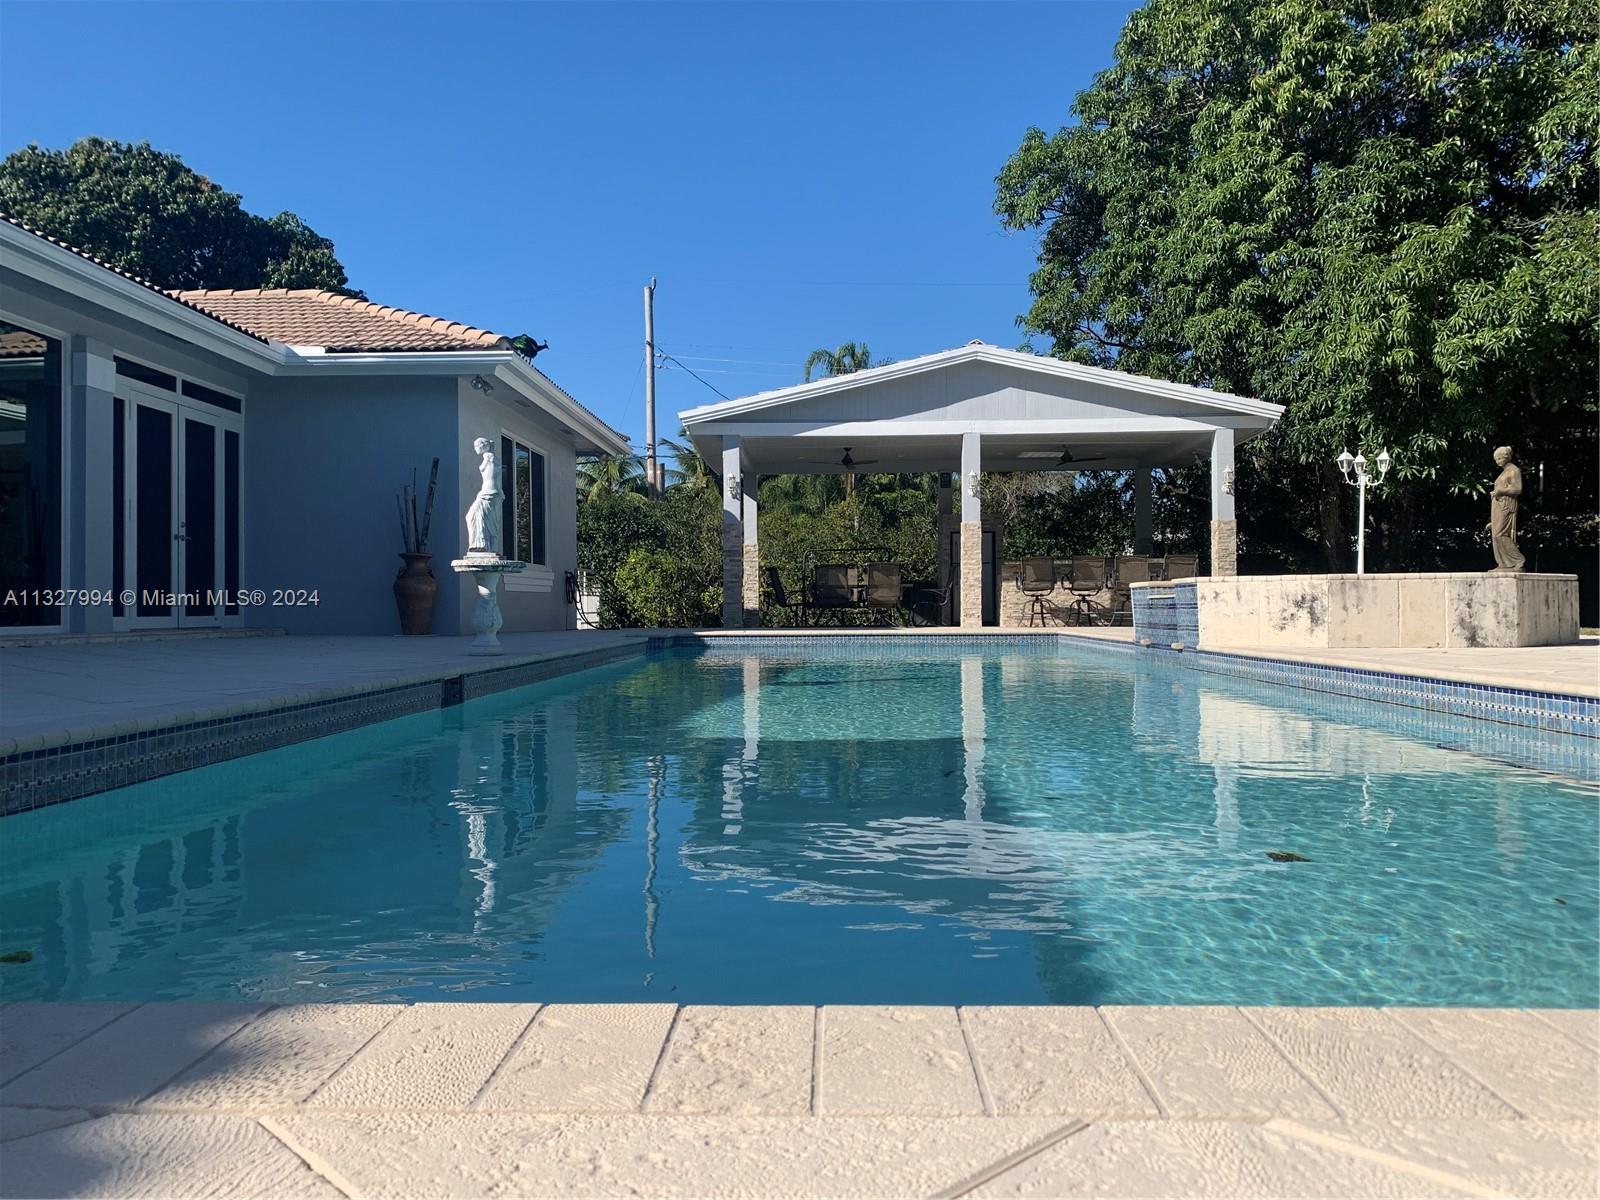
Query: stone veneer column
{"points": [[1224, 528], [752, 586], [732, 536], [1224, 547], [971, 574], [971, 532]]}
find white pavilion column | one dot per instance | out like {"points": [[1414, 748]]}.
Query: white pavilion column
{"points": [[86, 525], [750, 489], [1224, 526], [1143, 539], [971, 532], [732, 535]]}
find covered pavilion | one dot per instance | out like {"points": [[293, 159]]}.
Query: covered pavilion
{"points": [[965, 411]]}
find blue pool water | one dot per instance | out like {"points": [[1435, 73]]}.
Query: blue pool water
{"points": [[947, 824]]}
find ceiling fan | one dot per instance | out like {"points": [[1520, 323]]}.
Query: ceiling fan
{"points": [[1068, 459], [850, 464]]}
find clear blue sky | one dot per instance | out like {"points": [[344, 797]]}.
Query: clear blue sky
{"points": [[795, 175]]}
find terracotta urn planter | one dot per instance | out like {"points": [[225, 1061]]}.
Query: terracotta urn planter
{"points": [[415, 590]]}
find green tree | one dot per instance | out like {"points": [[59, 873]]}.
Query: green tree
{"points": [[689, 469], [145, 212], [1380, 214], [847, 359], [609, 476]]}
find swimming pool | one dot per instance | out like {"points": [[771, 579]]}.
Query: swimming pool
{"points": [[833, 821]]}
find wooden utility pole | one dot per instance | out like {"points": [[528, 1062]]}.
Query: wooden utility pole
{"points": [[652, 473]]}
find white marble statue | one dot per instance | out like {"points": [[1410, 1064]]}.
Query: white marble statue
{"points": [[483, 518]]}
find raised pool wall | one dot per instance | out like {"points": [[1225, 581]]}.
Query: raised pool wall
{"points": [[1451, 610]]}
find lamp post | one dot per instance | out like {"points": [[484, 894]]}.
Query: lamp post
{"points": [[1360, 481]]}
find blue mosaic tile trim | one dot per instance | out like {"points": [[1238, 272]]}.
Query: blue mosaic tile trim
{"points": [[35, 778], [1550, 712], [1166, 616], [503, 679], [859, 645]]}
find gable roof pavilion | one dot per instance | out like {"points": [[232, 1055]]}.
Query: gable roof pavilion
{"points": [[968, 410]]}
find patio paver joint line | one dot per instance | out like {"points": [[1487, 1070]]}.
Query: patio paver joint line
{"points": [[1011, 1161], [1132, 1060], [334, 1074], [1568, 1035], [511, 1052], [984, 1096], [1394, 1019], [1298, 1132], [816, 1061], [195, 1062], [132, 1008], [661, 1058], [314, 1162], [1294, 1064]]}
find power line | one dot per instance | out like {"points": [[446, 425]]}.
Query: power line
{"points": [[668, 358]]}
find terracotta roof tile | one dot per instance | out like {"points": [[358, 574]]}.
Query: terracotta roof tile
{"points": [[19, 343], [339, 324], [128, 275]]}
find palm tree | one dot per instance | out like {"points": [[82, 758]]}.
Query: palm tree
{"points": [[691, 470], [847, 359], [609, 476]]}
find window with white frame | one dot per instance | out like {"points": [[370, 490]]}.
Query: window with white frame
{"points": [[522, 483]]}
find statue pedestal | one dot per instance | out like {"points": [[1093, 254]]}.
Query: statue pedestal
{"points": [[486, 570]]}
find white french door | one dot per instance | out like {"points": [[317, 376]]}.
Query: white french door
{"points": [[180, 511]]}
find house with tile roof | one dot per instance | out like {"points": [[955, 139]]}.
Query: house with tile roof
{"points": [[231, 458]]}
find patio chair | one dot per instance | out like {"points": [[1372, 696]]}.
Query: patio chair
{"points": [[1036, 581], [1087, 577], [882, 592], [778, 597], [926, 602], [1130, 569], [1180, 566], [835, 587]]}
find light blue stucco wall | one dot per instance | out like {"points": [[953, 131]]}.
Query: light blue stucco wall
{"points": [[538, 599], [324, 459]]}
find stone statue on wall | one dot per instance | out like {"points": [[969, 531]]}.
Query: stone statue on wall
{"points": [[1503, 512], [483, 518]]}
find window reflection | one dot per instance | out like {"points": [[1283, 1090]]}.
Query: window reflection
{"points": [[30, 475]]}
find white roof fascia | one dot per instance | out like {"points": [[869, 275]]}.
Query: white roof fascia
{"points": [[53, 265], [1059, 368], [549, 395], [505, 366]]}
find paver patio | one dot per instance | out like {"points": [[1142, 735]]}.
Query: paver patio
{"points": [[595, 1100]]}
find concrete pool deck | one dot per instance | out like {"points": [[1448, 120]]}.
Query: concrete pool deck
{"points": [[652, 1099]]}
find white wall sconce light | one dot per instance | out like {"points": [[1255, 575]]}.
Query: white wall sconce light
{"points": [[735, 489], [1359, 480], [972, 483], [1227, 480]]}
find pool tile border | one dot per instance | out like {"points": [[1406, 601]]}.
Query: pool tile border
{"points": [[1548, 712], [32, 779]]}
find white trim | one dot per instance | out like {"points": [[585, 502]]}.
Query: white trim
{"points": [[954, 429], [535, 578], [55, 266], [544, 500], [70, 272], [1125, 380]]}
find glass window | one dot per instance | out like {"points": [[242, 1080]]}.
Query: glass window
{"points": [[30, 476], [522, 512], [198, 391], [132, 370]]}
